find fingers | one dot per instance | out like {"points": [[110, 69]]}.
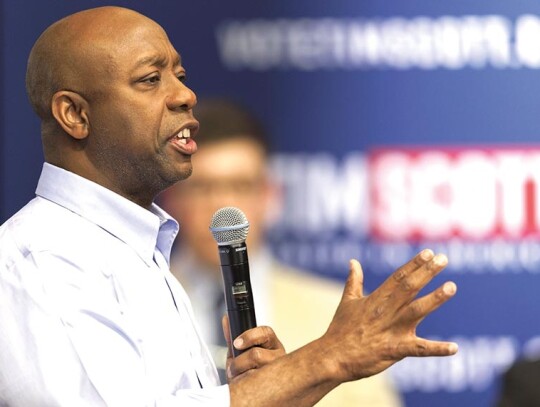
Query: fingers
{"points": [[253, 358], [425, 273], [354, 287], [417, 261], [409, 279], [260, 345], [422, 347], [423, 261], [262, 336], [416, 312], [425, 305]]}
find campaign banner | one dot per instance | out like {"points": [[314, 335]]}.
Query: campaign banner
{"points": [[479, 205], [395, 126]]}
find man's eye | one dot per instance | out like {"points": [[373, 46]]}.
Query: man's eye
{"points": [[151, 79], [182, 77]]}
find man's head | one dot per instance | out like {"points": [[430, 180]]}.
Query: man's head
{"points": [[230, 169], [108, 87]]}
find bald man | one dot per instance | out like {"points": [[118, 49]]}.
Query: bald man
{"points": [[89, 312]]}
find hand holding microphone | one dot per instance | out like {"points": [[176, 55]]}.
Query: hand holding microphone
{"points": [[230, 227]]}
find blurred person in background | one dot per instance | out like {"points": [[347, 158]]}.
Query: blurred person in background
{"points": [[230, 169], [519, 387]]}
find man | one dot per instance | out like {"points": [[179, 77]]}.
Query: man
{"points": [[89, 312], [231, 169]]}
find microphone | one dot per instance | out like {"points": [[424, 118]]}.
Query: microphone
{"points": [[230, 227]]}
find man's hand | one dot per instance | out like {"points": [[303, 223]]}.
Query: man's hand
{"points": [[261, 347], [367, 335], [370, 333]]}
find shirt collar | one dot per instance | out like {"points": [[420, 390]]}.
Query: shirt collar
{"points": [[141, 229]]}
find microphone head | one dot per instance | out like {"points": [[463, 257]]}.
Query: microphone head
{"points": [[229, 226]]}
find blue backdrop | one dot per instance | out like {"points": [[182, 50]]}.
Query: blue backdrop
{"points": [[397, 125]]}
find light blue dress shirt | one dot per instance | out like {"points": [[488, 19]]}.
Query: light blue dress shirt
{"points": [[89, 312]]}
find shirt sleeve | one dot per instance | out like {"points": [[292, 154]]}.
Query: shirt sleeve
{"points": [[62, 345]]}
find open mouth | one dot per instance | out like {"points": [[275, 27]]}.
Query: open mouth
{"points": [[184, 142]]}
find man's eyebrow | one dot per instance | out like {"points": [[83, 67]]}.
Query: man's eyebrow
{"points": [[158, 60]]}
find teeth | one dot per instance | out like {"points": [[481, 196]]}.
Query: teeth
{"points": [[183, 136]]}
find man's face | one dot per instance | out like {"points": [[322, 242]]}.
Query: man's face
{"points": [[139, 108], [226, 173]]}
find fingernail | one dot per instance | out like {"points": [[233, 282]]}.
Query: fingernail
{"points": [[238, 342], [449, 288], [426, 254], [453, 348], [440, 260]]}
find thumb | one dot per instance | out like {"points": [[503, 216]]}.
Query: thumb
{"points": [[354, 287]]}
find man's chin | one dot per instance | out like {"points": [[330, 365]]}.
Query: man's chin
{"points": [[186, 173], [182, 173]]}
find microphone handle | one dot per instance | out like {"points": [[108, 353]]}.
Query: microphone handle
{"points": [[237, 290]]}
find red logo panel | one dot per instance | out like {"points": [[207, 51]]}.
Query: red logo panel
{"points": [[439, 193]]}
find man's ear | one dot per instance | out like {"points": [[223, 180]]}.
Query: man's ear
{"points": [[71, 112]]}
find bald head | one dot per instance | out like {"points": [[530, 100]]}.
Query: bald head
{"points": [[109, 88], [67, 50]]}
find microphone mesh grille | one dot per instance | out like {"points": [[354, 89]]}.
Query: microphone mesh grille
{"points": [[229, 225]]}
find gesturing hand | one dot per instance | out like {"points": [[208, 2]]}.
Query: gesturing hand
{"points": [[370, 333]]}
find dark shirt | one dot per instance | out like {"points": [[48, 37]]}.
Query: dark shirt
{"points": [[521, 385]]}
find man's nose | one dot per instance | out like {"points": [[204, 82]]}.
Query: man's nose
{"points": [[180, 97]]}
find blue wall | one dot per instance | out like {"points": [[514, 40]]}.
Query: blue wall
{"points": [[377, 109]]}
